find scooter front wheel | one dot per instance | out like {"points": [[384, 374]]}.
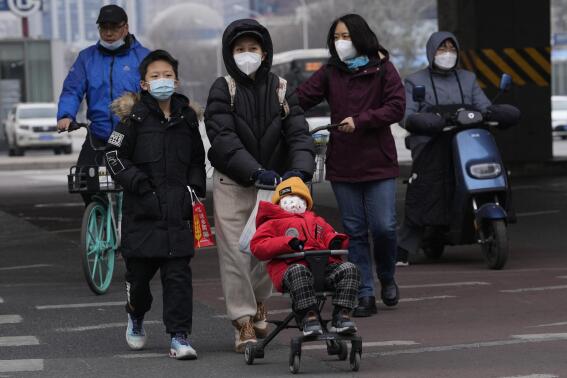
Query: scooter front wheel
{"points": [[495, 247]]}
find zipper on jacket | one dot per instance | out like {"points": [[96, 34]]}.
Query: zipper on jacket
{"points": [[111, 99]]}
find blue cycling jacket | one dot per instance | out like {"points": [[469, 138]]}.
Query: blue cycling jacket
{"points": [[101, 77]]}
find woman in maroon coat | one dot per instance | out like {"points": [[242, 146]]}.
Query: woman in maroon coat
{"points": [[365, 93]]}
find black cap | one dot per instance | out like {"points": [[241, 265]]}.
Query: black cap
{"points": [[251, 33], [111, 14]]}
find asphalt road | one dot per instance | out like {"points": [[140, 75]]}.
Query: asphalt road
{"points": [[456, 318]]}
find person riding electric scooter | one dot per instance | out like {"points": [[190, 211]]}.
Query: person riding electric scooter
{"points": [[457, 172]]}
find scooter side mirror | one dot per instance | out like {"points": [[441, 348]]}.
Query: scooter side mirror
{"points": [[505, 82], [418, 93]]}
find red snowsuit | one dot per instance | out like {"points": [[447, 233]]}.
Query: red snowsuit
{"points": [[275, 227]]}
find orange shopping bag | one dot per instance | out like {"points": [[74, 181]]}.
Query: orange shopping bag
{"points": [[202, 235]]}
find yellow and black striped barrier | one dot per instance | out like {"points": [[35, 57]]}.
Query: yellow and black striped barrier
{"points": [[528, 65]]}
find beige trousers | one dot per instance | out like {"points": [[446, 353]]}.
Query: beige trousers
{"points": [[244, 279]]}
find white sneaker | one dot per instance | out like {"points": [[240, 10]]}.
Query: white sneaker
{"points": [[181, 349], [135, 333]]}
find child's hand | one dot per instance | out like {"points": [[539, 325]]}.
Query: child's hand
{"points": [[335, 243], [296, 244]]}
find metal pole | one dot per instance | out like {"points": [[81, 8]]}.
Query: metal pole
{"points": [[54, 20], [304, 18], [81, 20], [219, 56], [67, 21], [25, 27]]}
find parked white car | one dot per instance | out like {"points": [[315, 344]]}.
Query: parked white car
{"points": [[559, 116], [34, 126]]}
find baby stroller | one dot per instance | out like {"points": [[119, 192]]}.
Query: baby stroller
{"points": [[336, 343], [317, 261]]}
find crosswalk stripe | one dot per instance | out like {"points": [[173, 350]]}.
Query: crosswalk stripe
{"points": [[102, 326], [13, 366], [543, 288], [80, 305], [141, 355], [26, 266], [473, 283], [427, 298], [18, 341], [10, 319], [368, 344]]}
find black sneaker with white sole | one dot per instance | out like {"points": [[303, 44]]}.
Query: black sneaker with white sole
{"points": [[310, 325], [342, 323]]}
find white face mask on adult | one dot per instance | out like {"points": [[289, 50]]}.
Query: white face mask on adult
{"points": [[446, 60], [248, 62], [345, 49]]}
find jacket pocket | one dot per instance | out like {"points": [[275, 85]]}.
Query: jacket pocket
{"points": [[147, 207], [149, 148]]}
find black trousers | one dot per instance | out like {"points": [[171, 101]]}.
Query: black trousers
{"points": [[90, 156], [177, 290]]}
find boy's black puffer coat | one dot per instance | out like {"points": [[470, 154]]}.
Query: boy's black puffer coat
{"points": [[154, 160], [254, 135]]}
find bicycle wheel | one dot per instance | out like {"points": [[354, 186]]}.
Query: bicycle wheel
{"points": [[98, 247]]}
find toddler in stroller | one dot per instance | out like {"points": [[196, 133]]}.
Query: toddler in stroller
{"points": [[301, 249]]}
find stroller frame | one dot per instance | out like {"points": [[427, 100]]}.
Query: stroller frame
{"points": [[336, 343]]}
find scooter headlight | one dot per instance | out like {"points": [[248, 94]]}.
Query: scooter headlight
{"points": [[485, 170]]}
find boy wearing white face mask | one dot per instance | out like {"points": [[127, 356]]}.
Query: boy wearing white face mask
{"points": [[447, 87], [288, 225], [258, 133], [154, 154]]}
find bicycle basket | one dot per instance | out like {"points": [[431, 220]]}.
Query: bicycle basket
{"points": [[91, 179]]}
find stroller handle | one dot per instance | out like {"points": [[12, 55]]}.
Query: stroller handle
{"points": [[326, 127], [322, 252]]}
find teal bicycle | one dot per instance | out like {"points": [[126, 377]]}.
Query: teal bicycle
{"points": [[100, 230]]}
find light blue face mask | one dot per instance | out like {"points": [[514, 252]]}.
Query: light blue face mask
{"points": [[162, 89], [112, 45]]}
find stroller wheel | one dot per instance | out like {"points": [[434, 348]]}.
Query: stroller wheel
{"points": [[343, 350], [354, 360], [294, 361], [249, 353]]}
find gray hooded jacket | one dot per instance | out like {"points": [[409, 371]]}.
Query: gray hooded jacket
{"points": [[446, 86]]}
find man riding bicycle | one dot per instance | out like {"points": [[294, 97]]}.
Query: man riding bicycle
{"points": [[101, 73]]}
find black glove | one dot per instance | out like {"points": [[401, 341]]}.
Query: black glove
{"points": [[506, 115], [335, 243], [296, 244], [293, 173], [424, 123], [266, 177]]}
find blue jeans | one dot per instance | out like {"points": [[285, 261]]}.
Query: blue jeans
{"points": [[370, 206]]}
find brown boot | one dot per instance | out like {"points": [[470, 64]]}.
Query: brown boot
{"points": [[243, 333], [261, 321]]}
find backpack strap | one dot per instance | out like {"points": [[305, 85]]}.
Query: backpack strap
{"points": [[231, 89], [282, 88]]}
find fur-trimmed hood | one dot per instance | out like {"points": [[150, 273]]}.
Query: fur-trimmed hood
{"points": [[123, 105]]}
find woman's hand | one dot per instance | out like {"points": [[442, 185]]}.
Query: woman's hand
{"points": [[348, 126]]}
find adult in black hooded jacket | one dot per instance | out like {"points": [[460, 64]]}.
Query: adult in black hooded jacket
{"points": [[250, 140]]}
